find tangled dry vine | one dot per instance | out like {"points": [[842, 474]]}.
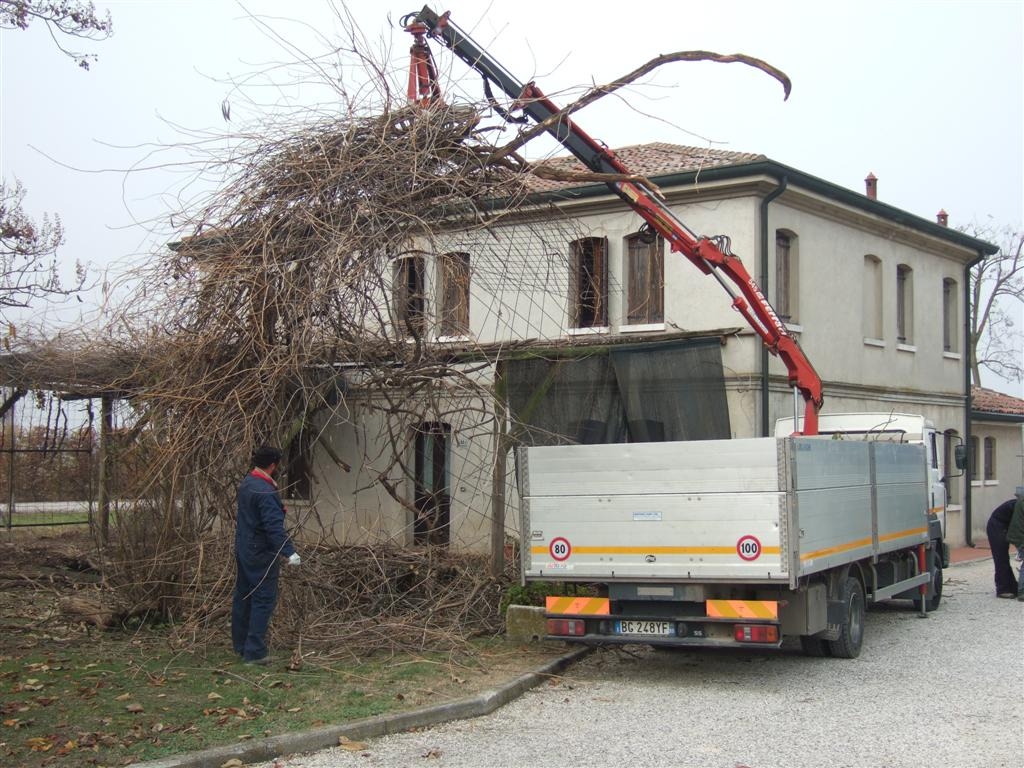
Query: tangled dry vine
{"points": [[272, 316]]}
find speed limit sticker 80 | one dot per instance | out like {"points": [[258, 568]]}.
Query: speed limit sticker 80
{"points": [[560, 548]]}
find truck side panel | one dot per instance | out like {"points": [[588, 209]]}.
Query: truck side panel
{"points": [[901, 476], [677, 510], [834, 527], [705, 466], [722, 536], [855, 499]]}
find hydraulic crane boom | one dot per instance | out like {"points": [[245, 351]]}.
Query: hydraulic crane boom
{"points": [[711, 255]]}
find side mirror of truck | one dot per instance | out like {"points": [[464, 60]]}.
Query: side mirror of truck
{"points": [[960, 456]]}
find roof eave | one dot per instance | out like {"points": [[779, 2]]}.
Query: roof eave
{"points": [[1006, 418], [772, 168]]}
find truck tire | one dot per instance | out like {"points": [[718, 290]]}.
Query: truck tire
{"points": [[851, 631], [932, 603]]}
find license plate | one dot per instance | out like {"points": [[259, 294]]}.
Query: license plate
{"points": [[644, 628]]}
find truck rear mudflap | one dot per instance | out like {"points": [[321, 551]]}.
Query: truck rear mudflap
{"points": [[714, 623]]}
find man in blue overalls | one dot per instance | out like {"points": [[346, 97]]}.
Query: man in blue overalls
{"points": [[260, 544]]}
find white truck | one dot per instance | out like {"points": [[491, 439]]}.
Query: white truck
{"points": [[742, 541]]}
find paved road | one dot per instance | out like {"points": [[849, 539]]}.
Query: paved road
{"points": [[944, 691]]}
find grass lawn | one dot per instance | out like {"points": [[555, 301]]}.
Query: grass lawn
{"points": [[72, 694], [115, 700]]}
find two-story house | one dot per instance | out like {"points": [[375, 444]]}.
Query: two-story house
{"points": [[566, 320]]}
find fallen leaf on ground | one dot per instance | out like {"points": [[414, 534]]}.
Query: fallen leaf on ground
{"points": [[135, 708], [38, 744], [351, 746], [213, 696], [234, 762]]}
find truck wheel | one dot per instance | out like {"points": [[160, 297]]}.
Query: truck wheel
{"points": [[932, 603], [814, 646], [851, 631]]}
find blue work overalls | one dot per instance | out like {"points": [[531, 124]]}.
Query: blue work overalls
{"points": [[260, 542]]}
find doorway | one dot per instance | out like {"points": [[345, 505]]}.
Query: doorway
{"points": [[433, 475]]}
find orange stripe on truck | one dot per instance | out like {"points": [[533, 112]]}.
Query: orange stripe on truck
{"points": [[588, 606], [742, 609], [659, 550], [860, 543]]}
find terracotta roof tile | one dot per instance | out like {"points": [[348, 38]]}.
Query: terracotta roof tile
{"points": [[989, 401], [655, 159]]}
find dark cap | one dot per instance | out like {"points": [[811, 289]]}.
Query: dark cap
{"points": [[266, 455]]}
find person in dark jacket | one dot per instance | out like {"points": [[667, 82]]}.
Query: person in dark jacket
{"points": [[261, 542], [997, 528], [1015, 535]]}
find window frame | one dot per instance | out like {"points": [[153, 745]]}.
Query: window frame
{"points": [[455, 277], [645, 264], [989, 449], [950, 312], [873, 325], [588, 269], [409, 294], [904, 305], [787, 275]]}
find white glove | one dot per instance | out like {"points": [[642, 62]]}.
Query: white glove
{"points": [[294, 559]]}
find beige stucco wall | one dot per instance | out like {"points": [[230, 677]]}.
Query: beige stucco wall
{"points": [[352, 506], [988, 494]]}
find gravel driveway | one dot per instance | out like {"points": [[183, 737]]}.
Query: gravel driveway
{"points": [[944, 692]]}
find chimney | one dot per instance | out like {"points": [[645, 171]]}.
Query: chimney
{"points": [[942, 217], [871, 186]]}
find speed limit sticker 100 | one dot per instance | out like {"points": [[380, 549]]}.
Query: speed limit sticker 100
{"points": [[560, 548], [748, 547]]}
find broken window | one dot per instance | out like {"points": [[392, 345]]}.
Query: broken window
{"points": [[589, 281], [645, 279]]}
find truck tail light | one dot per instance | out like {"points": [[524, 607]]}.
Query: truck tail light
{"points": [[756, 633], [572, 627]]}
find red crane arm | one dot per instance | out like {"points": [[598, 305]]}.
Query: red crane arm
{"points": [[710, 255]]}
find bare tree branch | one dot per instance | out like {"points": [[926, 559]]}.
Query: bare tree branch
{"points": [[997, 296], [71, 18]]}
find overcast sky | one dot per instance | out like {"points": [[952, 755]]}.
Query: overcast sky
{"points": [[928, 96]]}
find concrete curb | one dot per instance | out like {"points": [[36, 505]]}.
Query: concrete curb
{"points": [[262, 750]]}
